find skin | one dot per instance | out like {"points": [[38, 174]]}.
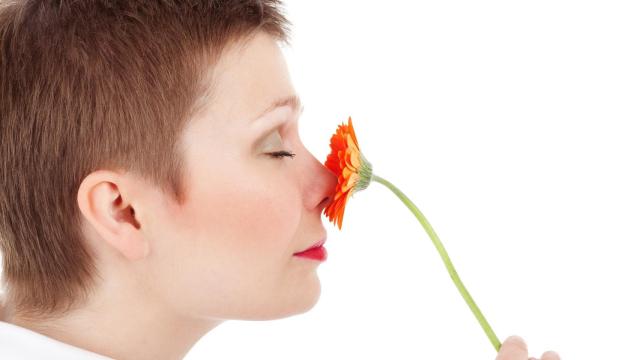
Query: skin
{"points": [[169, 274], [514, 348]]}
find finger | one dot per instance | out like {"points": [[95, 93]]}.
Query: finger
{"points": [[550, 355], [513, 348]]}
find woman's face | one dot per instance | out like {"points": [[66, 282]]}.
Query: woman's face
{"points": [[227, 252]]}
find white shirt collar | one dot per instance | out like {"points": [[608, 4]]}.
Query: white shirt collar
{"points": [[18, 343]]}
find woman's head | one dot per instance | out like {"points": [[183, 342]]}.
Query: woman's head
{"points": [[140, 165]]}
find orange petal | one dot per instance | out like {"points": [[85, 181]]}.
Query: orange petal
{"points": [[345, 162]]}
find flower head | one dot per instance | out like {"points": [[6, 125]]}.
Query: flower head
{"points": [[350, 166], [354, 174]]}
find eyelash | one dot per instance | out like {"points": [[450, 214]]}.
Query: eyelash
{"points": [[281, 154]]}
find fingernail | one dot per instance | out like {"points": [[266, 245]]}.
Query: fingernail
{"points": [[551, 354], [517, 341], [515, 338]]}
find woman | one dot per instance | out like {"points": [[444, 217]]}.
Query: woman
{"points": [[159, 186]]}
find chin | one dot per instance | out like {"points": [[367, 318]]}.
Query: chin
{"points": [[296, 302]]}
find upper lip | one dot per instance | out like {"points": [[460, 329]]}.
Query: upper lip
{"points": [[315, 245]]}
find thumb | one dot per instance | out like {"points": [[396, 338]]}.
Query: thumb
{"points": [[513, 348]]}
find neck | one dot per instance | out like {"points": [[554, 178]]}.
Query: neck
{"points": [[124, 327]]}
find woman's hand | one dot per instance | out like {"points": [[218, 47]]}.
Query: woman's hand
{"points": [[514, 348]]}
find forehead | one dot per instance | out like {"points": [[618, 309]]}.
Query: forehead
{"points": [[247, 79]]}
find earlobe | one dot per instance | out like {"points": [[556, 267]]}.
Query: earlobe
{"points": [[104, 205]]}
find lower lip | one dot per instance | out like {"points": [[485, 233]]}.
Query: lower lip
{"points": [[319, 254]]}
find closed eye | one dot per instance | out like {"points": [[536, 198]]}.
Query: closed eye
{"points": [[281, 154]]}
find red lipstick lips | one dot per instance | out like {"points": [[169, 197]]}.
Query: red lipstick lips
{"points": [[315, 252]]}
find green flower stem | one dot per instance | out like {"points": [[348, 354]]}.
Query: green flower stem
{"points": [[445, 257]]}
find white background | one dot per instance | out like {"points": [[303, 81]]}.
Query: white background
{"points": [[513, 126]]}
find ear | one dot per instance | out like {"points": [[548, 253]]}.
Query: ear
{"points": [[103, 203]]}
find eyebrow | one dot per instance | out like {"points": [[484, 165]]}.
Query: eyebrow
{"points": [[292, 101]]}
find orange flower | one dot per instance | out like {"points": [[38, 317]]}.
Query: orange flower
{"points": [[350, 166], [354, 174]]}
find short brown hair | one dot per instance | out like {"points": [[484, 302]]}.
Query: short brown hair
{"points": [[94, 84]]}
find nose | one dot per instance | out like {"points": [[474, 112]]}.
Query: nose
{"points": [[320, 184]]}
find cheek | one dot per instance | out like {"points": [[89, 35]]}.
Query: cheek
{"points": [[247, 218], [235, 238], [257, 217]]}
